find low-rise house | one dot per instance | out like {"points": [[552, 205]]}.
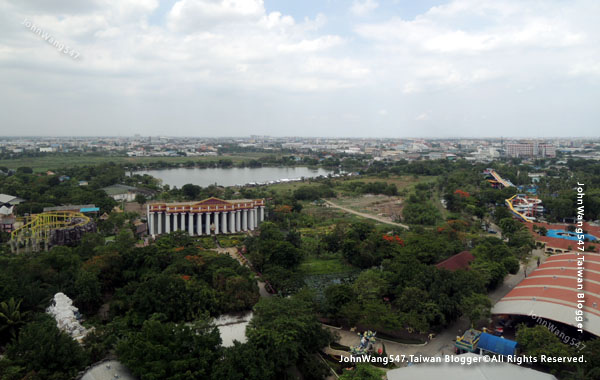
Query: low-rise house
{"points": [[126, 193]]}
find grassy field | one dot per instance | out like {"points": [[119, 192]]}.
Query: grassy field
{"points": [[53, 162], [289, 187], [327, 216], [316, 265], [388, 207], [401, 182]]}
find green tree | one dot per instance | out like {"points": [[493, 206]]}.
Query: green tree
{"points": [[11, 317], [286, 329], [370, 285], [190, 191], [140, 199], [538, 340], [169, 351], [244, 362], [476, 307], [43, 349], [89, 291], [509, 226]]}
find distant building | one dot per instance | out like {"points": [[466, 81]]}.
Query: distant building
{"points": [[530, 150]]}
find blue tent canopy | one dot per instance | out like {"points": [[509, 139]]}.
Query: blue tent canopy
{"points": [[497, 345]]}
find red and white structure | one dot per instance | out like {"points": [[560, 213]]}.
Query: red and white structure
{"points": [[212, 215], [551, 292]]}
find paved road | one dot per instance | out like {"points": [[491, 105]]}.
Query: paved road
{"points": [[368, 216]]}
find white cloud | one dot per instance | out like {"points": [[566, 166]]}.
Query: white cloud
{"points": [[361, 8], [227, 41], [422, 117], [466, 42], [201, 59]]}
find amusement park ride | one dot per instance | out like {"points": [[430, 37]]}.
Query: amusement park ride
{"points": [[367, 341], [41, 231], [524, 207]]}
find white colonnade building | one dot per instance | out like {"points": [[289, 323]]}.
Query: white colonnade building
{"points": [[210, 216]]}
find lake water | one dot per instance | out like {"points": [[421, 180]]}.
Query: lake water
{"points": [[232, 176]]}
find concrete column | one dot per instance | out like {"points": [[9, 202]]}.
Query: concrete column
{"points": [[255, 212], [245, 220], [191, 223], [182, 221], [262, 213], [160, 223], [238, 220], [224, 222], [217, 216], [232, 222], [251, 219], [208, 223], [175, 221], [199, 224], [151, 223], [167, 223], [148, 219]]}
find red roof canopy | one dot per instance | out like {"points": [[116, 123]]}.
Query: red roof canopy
{"points": [[456, 262]]}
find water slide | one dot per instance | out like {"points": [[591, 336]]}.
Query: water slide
{"points": [[515, 212], [504, 182]]}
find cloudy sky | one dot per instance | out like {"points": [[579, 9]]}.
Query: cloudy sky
{"points": [[372, 68]]}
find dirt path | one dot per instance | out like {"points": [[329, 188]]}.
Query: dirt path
{"points": [[368, 216]]}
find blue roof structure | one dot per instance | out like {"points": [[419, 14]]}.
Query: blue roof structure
{"points": [[89, 209], [497, 345]]}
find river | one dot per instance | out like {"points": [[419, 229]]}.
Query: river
{"points": [[232, 176]]}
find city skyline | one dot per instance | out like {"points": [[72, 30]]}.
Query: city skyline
{"points": [[362, 68]]}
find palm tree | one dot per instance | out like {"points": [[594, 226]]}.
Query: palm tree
{"points": [[11, 318]]}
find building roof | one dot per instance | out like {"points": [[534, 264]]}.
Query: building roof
{"points": [[497, 345], [125, 189], [206, 205], [456, 262], [564, 244], [70, 208], [475, 371], [5, 198], [209, 201], [108, 371], [550, 292]]}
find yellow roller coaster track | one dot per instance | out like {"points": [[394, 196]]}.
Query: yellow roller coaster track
{"points": [[37, 231]]}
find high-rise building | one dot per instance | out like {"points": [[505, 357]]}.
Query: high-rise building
{"points": [[530, 150]]}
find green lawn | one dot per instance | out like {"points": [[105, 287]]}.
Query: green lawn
{"points": [[315, 265], [289, 187]]}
